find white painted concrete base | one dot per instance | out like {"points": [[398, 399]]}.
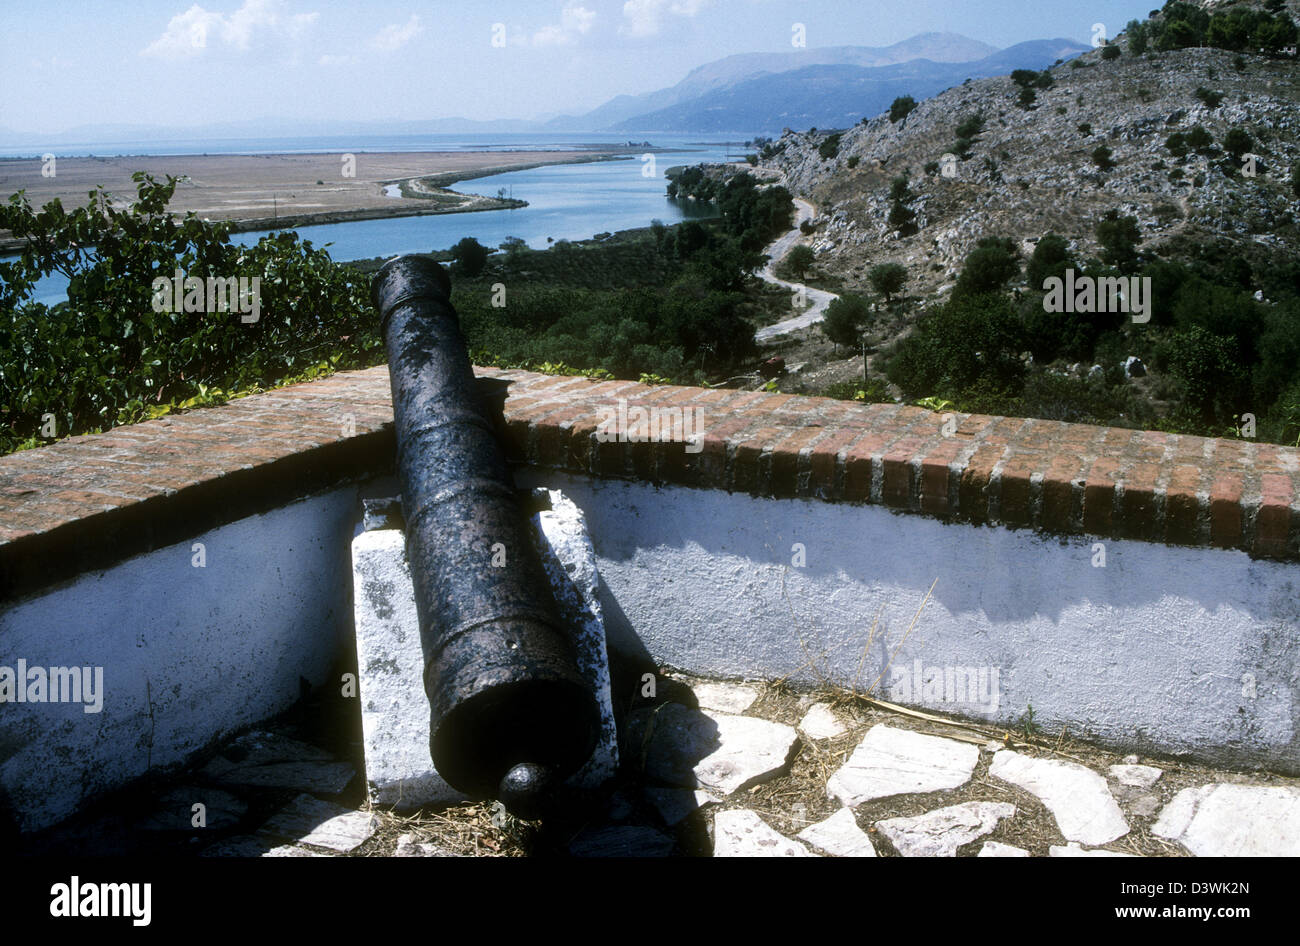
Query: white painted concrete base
{"points": [[189, 653], [395, 709], [1165, 650]]}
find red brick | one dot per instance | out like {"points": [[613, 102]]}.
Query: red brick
{"points": [[1225, 510], [1099, 496], [1183, 506], [1273, 522], [935, 475], [1138, 519]]}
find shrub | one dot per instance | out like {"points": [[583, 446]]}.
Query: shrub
{"points": [[830, 148], [901, 216], [1237, 142], [1085, 129], [1051, 257], [971, 126], [1211, 99], [951, 348], [1119, 238], [993, 263], [1137, 37], [470, 256], [1198, 139], [1102, 157], [1110, 52], [901, 108], [106, 356], [853, 161]]}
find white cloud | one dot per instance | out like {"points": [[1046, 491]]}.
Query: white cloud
{"points": [[197, 29], [394, 36], [575, 21], [646, 17]]}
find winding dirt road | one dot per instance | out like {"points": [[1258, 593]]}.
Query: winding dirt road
{"points": [[811, 302]]}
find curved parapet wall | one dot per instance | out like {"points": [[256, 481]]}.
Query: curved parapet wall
{"points": [[1140, 587]]}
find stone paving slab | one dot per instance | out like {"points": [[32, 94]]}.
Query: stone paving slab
{"points": [[839, 836], [998, 849], [941, 832], [1224, 820], [715, 751], [1077, 797], [312, 821], [738, 832], [892, 761], [820, 722], [733, 698]]}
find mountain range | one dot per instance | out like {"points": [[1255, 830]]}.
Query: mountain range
{"points": [[748, 93]]}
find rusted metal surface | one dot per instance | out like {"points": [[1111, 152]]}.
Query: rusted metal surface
{"points": [[510, 714]]}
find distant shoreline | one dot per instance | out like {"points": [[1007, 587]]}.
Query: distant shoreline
{"points": [[262, 179]]}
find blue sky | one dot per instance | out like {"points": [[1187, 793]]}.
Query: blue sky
{"points": [[173, 62]]}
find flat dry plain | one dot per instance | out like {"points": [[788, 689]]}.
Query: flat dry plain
{"points": [[291, 189]]}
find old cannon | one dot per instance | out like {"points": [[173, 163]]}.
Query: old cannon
{"points": [[511, 717]]}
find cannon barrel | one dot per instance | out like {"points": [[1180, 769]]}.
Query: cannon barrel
{"points": [[510, 715]]}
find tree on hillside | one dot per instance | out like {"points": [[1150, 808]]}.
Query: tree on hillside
{"points": [[800, 260], [1237, 142], [993, 263], [887, 279], [846, 318], [514, 247], [1051, 258], [901, 107], [1137, 37], [470, 256], [1119, 238]]}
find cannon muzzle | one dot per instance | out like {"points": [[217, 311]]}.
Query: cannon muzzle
{"points": [[511, 715]]}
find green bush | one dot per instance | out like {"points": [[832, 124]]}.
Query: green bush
{"points": [[1051, 257], [470, 256], [1138, 37], [1103, 157], [109, 356], [830, 148], [901, 108], [1119, 238], [970, 339], [1237, 142], [1198, 139], [1110, 52], [993, 263], [1211, 99]]}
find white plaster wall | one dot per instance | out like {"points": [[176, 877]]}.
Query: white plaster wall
{"points": [[1167, 649], [188, 654]]}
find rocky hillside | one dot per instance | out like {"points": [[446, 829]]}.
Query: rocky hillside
{"points": [[1034, 167]]}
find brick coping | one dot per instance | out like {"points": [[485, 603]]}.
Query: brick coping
{"points": [[88, 501]]}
